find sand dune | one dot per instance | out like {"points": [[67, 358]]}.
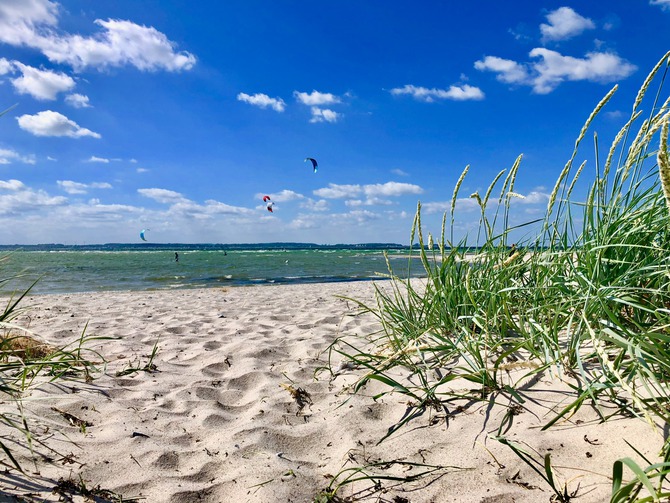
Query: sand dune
{"points": [[237, 409]]}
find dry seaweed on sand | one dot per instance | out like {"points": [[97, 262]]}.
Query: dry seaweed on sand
{"points": [[24, 347], [72, 419], [68, 488], [301, 397]]}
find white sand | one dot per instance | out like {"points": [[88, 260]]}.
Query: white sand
{"points": [[216, 422]]}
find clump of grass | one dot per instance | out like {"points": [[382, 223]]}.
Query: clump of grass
{"points": [[27, 361], [135, 367], [586, 293], [376, 478]]}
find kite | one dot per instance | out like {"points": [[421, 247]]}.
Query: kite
{"points": [[142, 234], [270, 204], [315, 165]]}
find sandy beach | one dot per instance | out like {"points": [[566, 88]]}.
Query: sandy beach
{"points": [[239, 408]]}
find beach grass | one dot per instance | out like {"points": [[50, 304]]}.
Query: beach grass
{"points": [[27, 361], [584, 298]]}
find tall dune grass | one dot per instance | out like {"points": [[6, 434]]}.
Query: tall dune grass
{"points": [[587, 294]]}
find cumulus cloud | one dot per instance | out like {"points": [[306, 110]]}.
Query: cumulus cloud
{"points": [[324, 115], [285, 195], [164, 196], [263, 101], [665, 4], [462, 204], [359, 216], [102, 160], [312, 205], [375, 194], [458, 93], [5, 66], [399, 172], [18, 200], [391, 189], [77, 100], [315, 98], [7, 156], [508, 71], [555, 68], [564, 23], [213, 207], [33, 23], [552, 69], [81, 188], [180, 206], [335, 191], [49, 123], [41, 84], [536, 196], [20, 19], [12, 185]]}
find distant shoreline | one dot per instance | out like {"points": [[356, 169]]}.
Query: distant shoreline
{"points": [[203, 246]]}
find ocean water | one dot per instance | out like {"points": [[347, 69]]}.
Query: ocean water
{"points": [[61, 270]]}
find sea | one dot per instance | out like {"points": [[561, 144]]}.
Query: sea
{"points": [[48, 269]]}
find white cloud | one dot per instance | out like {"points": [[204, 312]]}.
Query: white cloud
{"points": [[462, 204], [7, 156], [553, 68], [508, 71], [33, 23], [324, 115], [595, 67], [81, 188], [20, 19], [284, 196], [536, 196], [665, 4], [263, 101], [564, 23], [391, 189], [335, 191], [98, 159], [399, 172], [375, 193], [457, 93], [5, 66], [11, 185], [218, 208], [21, 200], [163, 195], [359, 216], [315, 98], [181, 207], [312, 205], [41, 84], [77, 100], [49, 123]]}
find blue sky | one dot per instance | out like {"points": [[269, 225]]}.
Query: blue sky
{"points": [[179, 116]]}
